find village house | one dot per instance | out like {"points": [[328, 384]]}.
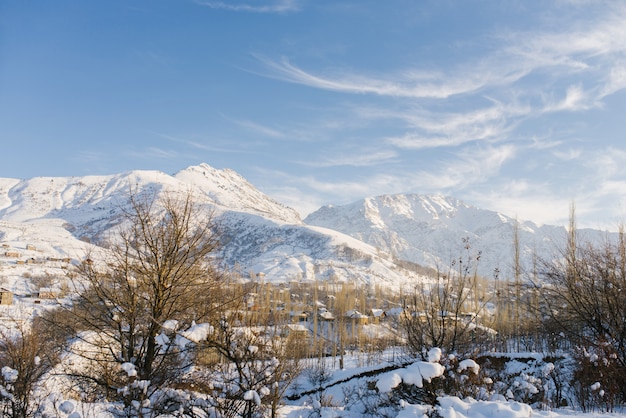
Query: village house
{"points": [[6, 297], [48, 293], [299, 337], [296, 330], [377, 315], [299, 316], [326, 316], [357, 317], [398, 313], [57, 259]]}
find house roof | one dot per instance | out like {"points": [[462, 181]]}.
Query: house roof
{"points": [[355, 314], [377, 312], [327, 315], [297, 328]]}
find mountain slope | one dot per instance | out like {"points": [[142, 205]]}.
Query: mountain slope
{"points": [[72, 197], [259, 234], [434, 230], [361, 241], [231, 191]]}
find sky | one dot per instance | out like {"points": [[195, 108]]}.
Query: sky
{"points": [[514, 106]]}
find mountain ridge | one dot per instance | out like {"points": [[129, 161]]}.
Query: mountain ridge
{"points": [[434, 230], [361, 241], [260, 235]]}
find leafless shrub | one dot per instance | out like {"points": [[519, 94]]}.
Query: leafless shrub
{"points": [[25, 356]]}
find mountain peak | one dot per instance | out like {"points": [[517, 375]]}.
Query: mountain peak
{"points": [[63, 214], [358, 241], [229, 189], [21, 200], [432, 229]]}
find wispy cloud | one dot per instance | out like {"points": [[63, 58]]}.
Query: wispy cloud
{"points": [[275, 6], [575, 99], [151, 153], [307, 192], [615, 80], [209, 146], [525, 201], [473, 167], [405, 84], [470, 167], [577, 44], [597, 192], [432, 130], [543, 143], [364, 158], [152, 57], [608, 163], [258, 128], [89, 157], [570, 154], [595, 49]]}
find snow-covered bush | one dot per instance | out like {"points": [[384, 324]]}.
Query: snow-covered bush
{"points": [[365, 400], [439, 315], [318, 376], [131, 321], [24, 358], [257, 368], [462, 378], [529, 378], [412, 384], [598, 382]]}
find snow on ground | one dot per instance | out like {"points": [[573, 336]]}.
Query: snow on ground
{"points": [[338, 383], [452, 407]]}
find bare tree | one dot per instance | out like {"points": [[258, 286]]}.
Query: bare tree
{"points": [[257, 359], [26, 356], [157, 276], [445, 313], [584, 292]]}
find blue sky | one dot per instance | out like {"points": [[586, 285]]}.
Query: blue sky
{"points": [[515, 106]]}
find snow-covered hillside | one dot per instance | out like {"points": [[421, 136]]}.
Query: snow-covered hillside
{"points": [[356, 242], [260, 235], [430, 230], [231, 191], [80, 198]]}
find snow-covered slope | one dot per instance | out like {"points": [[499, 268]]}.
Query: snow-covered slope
{"points": [[353, 242], [287, 252], [76, 197], [260, 235], [228, 189], [433, 230]]}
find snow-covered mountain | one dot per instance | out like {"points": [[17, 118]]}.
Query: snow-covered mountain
{"points": [[230, 191], [434, 230], [362, 241], [79, 197], [61, 215]]}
